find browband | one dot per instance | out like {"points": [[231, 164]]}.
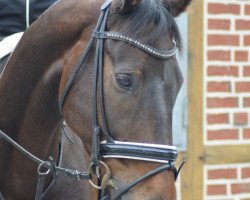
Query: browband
{"points": [[139, 151], [139, 44]]}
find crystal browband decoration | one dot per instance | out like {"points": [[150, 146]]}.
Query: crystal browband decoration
{"points": [[151, 50], [147, 48]]}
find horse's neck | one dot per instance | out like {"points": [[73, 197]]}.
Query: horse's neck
{"points": [[29, 114], [48, 39], [28, 106], [29, 94], [40, 116], [26, 95]]}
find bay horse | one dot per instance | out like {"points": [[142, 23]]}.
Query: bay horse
{"points": [[118, 118]]}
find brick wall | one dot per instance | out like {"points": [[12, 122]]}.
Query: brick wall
{"points": [[227, 94], [227, 182], [227, 71]]}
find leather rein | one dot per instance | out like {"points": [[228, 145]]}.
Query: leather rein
{"points": [[109, 148]]}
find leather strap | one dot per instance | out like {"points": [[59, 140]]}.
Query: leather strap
{"points": [[68, 172], [124, 190], [78, 67], [154, 153], [98, 87], [40, 185], [106, 4]]}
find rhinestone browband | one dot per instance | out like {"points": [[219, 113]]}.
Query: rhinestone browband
{"points": [[147, 48]]}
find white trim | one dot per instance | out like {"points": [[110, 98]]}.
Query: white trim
{"points": [[159, 146], [144, 145], [137, 158], [27, 13]]}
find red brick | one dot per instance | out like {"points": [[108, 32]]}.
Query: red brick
{"points": [[247, 9], [246, 71], [242, 87], [216, 189], [217, 118], [247, 40], [230, 134], [224, 40], [245, 172], [240, 188], [219, 8], [246, 133], [218, 87], [243, 25], [246, 102], [219, 24], [241, 55], [218, 55], [240, 118], [223, 71], [222, 174], [229, 102]]}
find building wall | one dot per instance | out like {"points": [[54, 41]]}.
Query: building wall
{"points": [[226, 97]]}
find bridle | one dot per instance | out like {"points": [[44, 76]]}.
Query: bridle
{"points": [[109, 148]]}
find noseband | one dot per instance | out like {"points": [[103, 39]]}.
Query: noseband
{"points": [[109, 148]]}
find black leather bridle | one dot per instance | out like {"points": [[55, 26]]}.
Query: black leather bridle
{"points": [[109, 148]]}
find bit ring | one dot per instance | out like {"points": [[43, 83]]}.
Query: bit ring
{"points": [[39, 169], [90, 170]]}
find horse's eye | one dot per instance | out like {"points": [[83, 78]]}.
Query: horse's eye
{"points": [[124, 81]]}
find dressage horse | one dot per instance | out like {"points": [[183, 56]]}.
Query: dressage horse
{"points": [[115, 91]]}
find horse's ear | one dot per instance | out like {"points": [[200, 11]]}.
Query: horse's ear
{"points": [[176, 7], [126, 6]]}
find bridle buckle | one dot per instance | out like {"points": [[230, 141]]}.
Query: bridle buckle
{"points": [[40, 170], [106, 179]]}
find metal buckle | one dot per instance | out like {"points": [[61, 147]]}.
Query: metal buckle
{"points": [[106, 179], [39, 168]]}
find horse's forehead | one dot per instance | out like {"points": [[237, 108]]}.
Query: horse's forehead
{"points": [[124, 53], [131, 59]]}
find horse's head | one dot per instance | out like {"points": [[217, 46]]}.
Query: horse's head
{"points": [[140, 86]]}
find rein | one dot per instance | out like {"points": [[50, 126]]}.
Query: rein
{"points": [[109, 148], [50, 166]]}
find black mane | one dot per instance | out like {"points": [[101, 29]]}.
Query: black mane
{"points": [[153, 14]]}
